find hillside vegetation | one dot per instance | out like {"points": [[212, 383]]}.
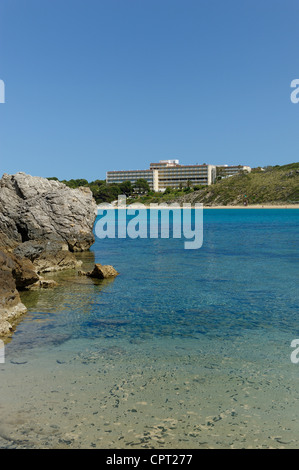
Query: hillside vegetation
{"points": [[274, 185]]}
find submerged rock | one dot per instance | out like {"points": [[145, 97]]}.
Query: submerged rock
{"points": [[44, 284]]}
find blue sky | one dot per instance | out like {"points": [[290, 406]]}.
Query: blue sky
{"points": [[97, 85]]}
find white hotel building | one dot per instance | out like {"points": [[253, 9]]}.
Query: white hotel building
{"points": [[231, 170], [166, 173]]}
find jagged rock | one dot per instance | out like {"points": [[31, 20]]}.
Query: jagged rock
{"points": [[6, 243], [11, 306], [47, 256], [5, 328], [34, 208], [23, 272], [41, 223], [100, 272]]}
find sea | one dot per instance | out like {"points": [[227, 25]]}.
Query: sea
{"points": [[184, 349]]}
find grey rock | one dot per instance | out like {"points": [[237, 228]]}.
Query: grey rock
{"points": [[41, 223], [48, 255], [34, 208]]}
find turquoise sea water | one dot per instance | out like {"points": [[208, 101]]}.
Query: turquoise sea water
{"points": [[184, 349]]}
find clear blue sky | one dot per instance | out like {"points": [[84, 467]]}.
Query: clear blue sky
{"points": [[97, 85]]}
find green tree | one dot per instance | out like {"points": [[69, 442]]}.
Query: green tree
{"points": [[168, 190], [141, 186], [75, 183], [107, 193], [98, 182], [126, 188]]}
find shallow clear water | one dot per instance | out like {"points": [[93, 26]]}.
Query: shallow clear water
{"points": [[184, 349]]}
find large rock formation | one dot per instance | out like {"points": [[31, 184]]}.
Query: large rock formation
{"points": [[11, 275], [34, 208], [42, 223]]}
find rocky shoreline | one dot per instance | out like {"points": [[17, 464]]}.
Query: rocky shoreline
{"points": [[42, 224]]}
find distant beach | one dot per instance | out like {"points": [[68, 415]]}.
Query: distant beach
{"points": [[256, 206], [166, 206]]}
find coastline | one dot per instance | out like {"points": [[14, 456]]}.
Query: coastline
{"points": [[166, 206], [257, 206], [89, 352]]}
